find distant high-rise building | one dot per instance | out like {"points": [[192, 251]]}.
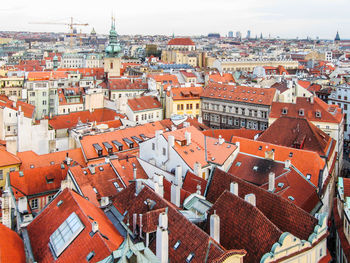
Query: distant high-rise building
{"points": [[214, 35], [230, 34], [261, 36], [248, 34], [238, 35]]}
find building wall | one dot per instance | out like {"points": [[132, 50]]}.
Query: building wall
{"points": [[4, 171]]}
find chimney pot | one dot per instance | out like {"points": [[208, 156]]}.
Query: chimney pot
{"points": [[234, 188], [271, 182], [94, 226], [215, 227]]}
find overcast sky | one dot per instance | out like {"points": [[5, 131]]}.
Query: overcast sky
{"points": [[284, 18]]}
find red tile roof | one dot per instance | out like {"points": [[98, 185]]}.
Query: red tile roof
{"points": [[85, 72], [192, 238], [11, 246], [30, 158], [144, 103], [239, 93], [191, 182], [339, 225], [28, 109], [46, 75], [224, 78], [42, 227], [165, 78], [328, 113], [37, 181], [70, 120], [7, 158], [127, 84], [167, 123], [181, 42], [191, 93], [297, 133], [278, 215], [281, 153], [227, 134], [87, 142], [202, 149]]}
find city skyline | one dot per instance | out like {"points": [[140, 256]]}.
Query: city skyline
{"points": [[275, 18]]}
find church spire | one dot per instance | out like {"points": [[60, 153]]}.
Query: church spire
{"points": [[337, 38]]}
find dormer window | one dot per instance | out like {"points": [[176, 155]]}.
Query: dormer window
{"points": [[301, 112], [318, 114], [284, 111]]}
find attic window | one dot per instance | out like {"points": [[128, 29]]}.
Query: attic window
{"points": [[65, 234], [308, 176], [238, 164], [260, 147], [32, 166], [301, 112], [290, 154], [85, 172], [280, 185], [291, 198], [318, 114], [190, 257], [177, 244], [284, 111], [100, 168], [90, 256]]}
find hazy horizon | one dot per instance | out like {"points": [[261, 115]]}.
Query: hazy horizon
{"points": [[288, 20]]}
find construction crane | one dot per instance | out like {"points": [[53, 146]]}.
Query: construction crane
{"points": [[71, 24]]}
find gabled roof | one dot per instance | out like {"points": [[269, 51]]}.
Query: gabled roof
{"points": [[191, 182], [181, 42], [126, 84], [7, 158], [297, 133], [327, 113], [165, 78], [168, 123], [192, 239], [11, 246], [282, 214], [37, 181], [87, 142], [70, 120], [31, 159], [239, 93], [191, 93], [102, 243], [224, 77], [26, 108], [202, 149], [297, 157], [144, 103]]}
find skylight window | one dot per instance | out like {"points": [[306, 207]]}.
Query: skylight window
{"points": [[308, 176], [255, 168], [238, 164], [177, 244], [190, 257], [65, 234]]}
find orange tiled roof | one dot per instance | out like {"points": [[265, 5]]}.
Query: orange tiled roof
{"points": [[11, 246], [7, 158], [329, 113], [28, 109], [126, 84], [46, 75], [30, 158], [190, 93], [144, 103], [165, 78], [103, 242], [87, 142], [227, 134], [239, 93], [202, 149], [70, 120], [224, 78], [181, 42]]}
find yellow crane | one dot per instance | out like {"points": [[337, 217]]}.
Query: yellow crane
{"points": [[71, 25]]}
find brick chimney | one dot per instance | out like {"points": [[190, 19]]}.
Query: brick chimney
{"points": [[162, 238], [215, 227]]}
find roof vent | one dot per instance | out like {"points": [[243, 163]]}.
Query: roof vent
{"points": [[59, 203], [21, 174], [291, 198], [100, 168]]}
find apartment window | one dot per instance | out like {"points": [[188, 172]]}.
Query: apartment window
{"points": [[44, 93], [229, 121], [236, 110], [153, 146], [187, 106], [243, 111], [182, 107], [345, 106], [1, 175], [236, 121], [223, 119], [137, 117], [164, 151], [34, 203], [191, 105], [197, 106], [8, 128], [50, 197], [178, 106], [44, 102]]}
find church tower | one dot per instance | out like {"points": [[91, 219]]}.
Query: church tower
{"points": [[112, 60]]}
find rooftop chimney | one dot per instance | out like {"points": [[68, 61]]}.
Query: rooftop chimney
{"points": [[175, 194], [200, 120], [178, 175], [199, 188], [134, 222], [23, 204], [162, 238], [250, 198], [92, 169], [238, 146], [141, 225], [138, 187], [94, 226], [197, 168], [271, 182], [234, 188], [186, 124], [215, 227], [188, 138], [312, 99], [221, 140], [171, 141], [134, 172], [287, 164], [270, 155]]}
